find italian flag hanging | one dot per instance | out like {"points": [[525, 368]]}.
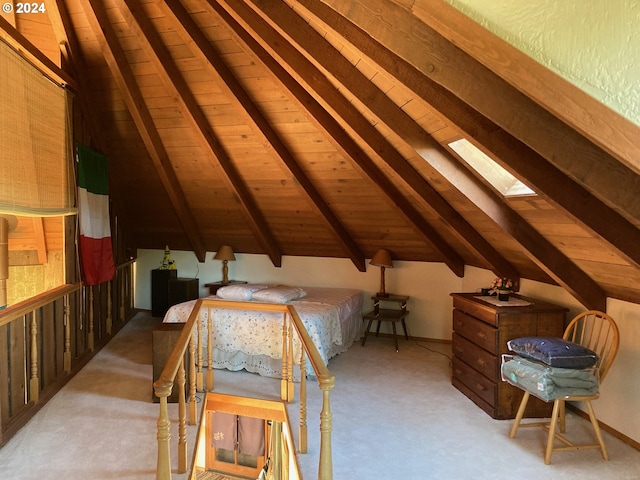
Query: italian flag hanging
{"points": [[96, 254]]}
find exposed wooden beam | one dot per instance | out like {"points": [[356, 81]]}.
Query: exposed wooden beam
{"points": [[397, 120], [173, 79], [24, 47], [72, 61], [475, 124], [530, 166], [551, 260], [125, 80], [40, 240], [447, 70], [255, 117], [606, 128], [305, 69]]}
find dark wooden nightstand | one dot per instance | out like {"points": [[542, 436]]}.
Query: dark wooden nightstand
{"points": [[392, 315], [214, 286]]}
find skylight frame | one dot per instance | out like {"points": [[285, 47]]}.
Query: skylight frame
{"points": [[490, 171]]}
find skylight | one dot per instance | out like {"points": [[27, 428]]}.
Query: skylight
{"points": [[490, 170]]}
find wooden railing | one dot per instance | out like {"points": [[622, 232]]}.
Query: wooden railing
{"points": [[47, 339], [175, 370]]}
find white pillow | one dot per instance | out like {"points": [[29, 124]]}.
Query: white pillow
{"points": [[279, 294], [238, 292]]}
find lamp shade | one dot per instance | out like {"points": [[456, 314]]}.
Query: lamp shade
{"points": [[382, 258], [225, 252]]}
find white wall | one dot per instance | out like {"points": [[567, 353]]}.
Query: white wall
{"points": [[429, 286]]}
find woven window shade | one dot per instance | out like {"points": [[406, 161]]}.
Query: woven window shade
{"points": [[36, 156]]}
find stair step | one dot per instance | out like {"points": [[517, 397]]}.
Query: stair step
{"points": [[209, 475]]}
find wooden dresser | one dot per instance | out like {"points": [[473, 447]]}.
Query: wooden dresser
{"points": [[480, 334]]}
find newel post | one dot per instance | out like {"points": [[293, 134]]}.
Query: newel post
{"points": [[163, 471], [325, 468]]}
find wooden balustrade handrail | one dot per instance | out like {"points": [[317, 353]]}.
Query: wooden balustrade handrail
{"points": [[164, 384], [320, 369], [125, 264], [27, 306], [19, 309]]}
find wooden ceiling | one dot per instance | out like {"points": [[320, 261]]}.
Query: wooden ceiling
{"points": [[320, 128]]}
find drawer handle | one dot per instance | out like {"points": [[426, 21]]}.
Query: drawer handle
{"points": [[482, 363], [483, 336], [480, 387]]}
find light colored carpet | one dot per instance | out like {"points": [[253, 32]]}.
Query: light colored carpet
{"points": [[395, 415]]}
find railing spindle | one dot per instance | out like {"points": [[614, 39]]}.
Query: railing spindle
{"points": [[283, 380], [182, 420], [109, 310], [34, 383], [290, 386], [199, 379], [291, 321], [303, 442], [209, 353], [193, 414], [90, 332], [67, 334]]}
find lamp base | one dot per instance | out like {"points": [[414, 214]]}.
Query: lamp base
{"points": [[225, 272], [382, 294]]}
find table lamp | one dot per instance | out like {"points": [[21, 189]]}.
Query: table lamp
{"points": [[382, 259], [225, 253]]}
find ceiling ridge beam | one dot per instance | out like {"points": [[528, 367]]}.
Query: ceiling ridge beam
{"points": [[398, 121], [115, 58], [336, 132], [256, 118], [174, 80]]}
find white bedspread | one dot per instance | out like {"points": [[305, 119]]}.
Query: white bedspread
{"points": [[244, 338]]}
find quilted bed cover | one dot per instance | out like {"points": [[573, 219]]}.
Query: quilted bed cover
{"points": [[252, 340]]}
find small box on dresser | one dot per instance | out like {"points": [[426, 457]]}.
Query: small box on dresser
{"points": [[480, 334]]}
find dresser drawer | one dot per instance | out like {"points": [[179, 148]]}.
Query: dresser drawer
{"points": [[474, 356], [474, 385], [477, 332]]}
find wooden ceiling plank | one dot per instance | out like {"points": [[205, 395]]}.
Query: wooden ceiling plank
{"points": [[172, 78], [475, 124], [329, 124], [609, 130], [398, 121], [530, 166], [28, 51], [73, 61], [549, 258], [123, 75], [254, 115], [448, 70]]}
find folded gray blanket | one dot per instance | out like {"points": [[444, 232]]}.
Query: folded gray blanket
{"points": [[548, 383]]}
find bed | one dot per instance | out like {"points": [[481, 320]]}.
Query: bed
{"points": [[252, 340]]}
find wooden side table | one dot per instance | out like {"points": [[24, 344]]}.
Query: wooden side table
{"points": [[214, 286], [392, 315]]}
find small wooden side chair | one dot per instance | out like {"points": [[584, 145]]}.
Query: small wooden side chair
{"points": [[598, 332]]}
